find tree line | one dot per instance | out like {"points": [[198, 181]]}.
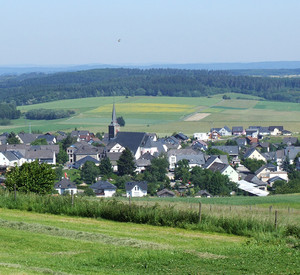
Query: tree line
{"points": [[48, 114], [152, 82]]}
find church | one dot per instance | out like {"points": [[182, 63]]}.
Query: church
{"points": [[134, 141]]}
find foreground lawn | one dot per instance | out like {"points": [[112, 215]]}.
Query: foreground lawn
{"points": [[39, 243]]}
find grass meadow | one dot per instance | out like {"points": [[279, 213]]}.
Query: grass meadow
{"points": [[33, 243], [164, 115]]}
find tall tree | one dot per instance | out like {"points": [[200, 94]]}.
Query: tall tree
{"points": [[182, 171], [105, 167], [126, 165], [89, 172], [31, 177], [12, 139]]}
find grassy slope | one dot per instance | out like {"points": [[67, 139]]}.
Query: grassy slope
{"points": [[38, 243], [95, 114]]}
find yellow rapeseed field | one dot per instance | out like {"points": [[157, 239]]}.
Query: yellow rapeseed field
{"points": [[146, 108]]}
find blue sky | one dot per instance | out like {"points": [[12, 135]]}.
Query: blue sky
{"points": [[52, 32]]}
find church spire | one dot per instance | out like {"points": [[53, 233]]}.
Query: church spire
{"points": [[114, 127], [113, 116]]}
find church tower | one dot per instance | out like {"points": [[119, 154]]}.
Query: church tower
{"points": [[113, 127]]}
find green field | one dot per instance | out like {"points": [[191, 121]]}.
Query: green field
{"points": [[164, 115], [41, 243]]}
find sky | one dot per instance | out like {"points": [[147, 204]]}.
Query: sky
{"points": [[73, 32]]}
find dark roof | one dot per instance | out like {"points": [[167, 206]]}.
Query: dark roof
{"points": [[101, 185], [27, 138], [237, 129], [82, 161], [275, 179], [231, 150], [12, 155], [181, 136], [289, 140], [131, 140], [47, 137], [130, 185], [65, 183], [271, 128], [165, 191], [249, 152], [218, 167], [203, 192]]}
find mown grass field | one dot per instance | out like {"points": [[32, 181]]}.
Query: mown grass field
{"points": [[164, 115], [41, 243]]}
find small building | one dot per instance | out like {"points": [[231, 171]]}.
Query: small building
{"points": [[238, 130], [165, 193], [136, 189], [203, 194], [103, 189], [65, 185], [254, 154]]}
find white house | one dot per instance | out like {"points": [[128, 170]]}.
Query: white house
{"points": [[225, 170], [254, 154], [103, 189], [136, 189], [11, 158], [201, 136], [65, 185]]}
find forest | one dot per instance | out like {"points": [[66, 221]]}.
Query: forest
{"points": [[48, 114], [37, 88]]}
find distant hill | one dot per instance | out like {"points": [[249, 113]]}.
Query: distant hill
{"points": [[38, 87], [274, 65]]}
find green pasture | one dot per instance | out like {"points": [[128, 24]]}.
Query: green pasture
{"points": [[34, 243], [163, 115]]}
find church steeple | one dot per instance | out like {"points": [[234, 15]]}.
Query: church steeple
{"points": [[114, 127]]}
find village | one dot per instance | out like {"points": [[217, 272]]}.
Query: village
{"points": [[244, 157]]}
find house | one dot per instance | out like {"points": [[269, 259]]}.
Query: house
{"points": [[291, 153], [136, 189], [82, 149], [238, 131], [11, 159], [78, 164], [255, 180], [143, 162], [201, 136], [251, 140], [286, 133], [225, 170], [103, 189], [252, 133], [171, 143], [114, 157], [254, 154], [199, 145], [225, 131], [182, 137], [134, 141], [203, 194], [214, 133], [165, 193], [215, 159], [82, 135], [26, 138], [241, 142], [263, 131], [153, 147], [230, 150], [65, 185], [174, 155], [280, 157], [275, 130], [51, 139], [251, 188], [42, 156], [289, 140]]}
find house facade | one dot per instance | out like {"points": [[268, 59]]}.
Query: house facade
{"points": [[136, 189]]}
